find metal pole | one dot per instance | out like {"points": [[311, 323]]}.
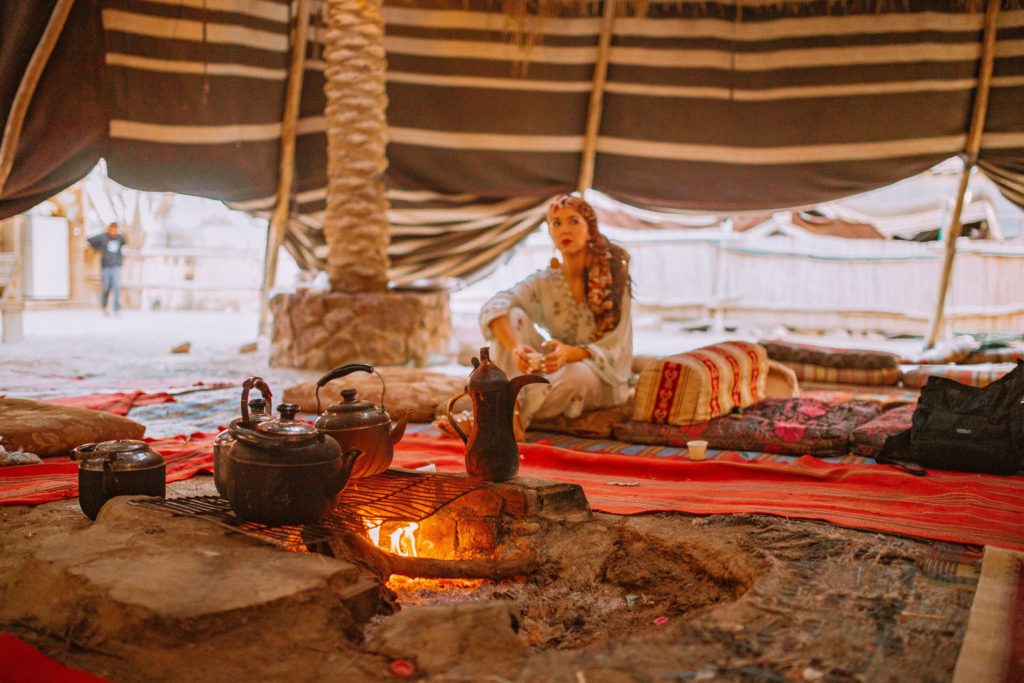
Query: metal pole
{"points": [[286, 164], [970, 157]]}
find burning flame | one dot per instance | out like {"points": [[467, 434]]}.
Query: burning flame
{"points": [[402, 539]]}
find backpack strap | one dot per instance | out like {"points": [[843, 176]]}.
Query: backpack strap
{"points": [[895, 449]]}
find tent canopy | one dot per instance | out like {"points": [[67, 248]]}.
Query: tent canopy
{"points": [[710, 106]]}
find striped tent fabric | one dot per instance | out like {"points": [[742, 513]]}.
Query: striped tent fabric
{"points": [[717, 106]]}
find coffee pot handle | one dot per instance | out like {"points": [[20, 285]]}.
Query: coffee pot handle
{"points": [[341, 371], [247, 386], [448, 414]]}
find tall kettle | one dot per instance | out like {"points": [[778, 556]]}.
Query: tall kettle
{"points": [[492, 453]]}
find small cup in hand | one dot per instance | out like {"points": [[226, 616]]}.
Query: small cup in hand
{"points": [[535, 361]]}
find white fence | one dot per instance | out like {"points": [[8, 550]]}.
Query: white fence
{"points": [[814, 283], [195, 279]]}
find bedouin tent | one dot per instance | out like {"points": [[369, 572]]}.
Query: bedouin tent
{"points": [[727, 106]]}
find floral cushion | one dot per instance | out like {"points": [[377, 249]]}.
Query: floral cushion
{"points": [[796, 426], [971, 375], [701, 384], [50, 430], [806, 354], [831, 375], [868, 439]]}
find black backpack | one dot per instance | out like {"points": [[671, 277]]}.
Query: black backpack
{"points": [[964, 428]]}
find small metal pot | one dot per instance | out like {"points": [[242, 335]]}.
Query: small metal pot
{"points": [[125, 467]]}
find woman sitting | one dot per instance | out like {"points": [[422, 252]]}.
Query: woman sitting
{"points": [[583, 303]]}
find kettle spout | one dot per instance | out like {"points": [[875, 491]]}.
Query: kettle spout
{"points": [[521, 381], [398, 430], [337, 483]]}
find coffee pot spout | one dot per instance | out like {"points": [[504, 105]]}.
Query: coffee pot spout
{"points": [[517, 383]]}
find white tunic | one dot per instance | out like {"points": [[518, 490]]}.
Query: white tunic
{"points": [[547, 300]]}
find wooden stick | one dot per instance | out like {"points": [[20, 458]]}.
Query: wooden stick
{"points": [[355, 548], [973, 146], [286, 163], [596, 98], [27, 87]]}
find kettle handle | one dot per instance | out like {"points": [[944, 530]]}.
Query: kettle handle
{"points": [[448, 414], [339, 372], [247, 386]]}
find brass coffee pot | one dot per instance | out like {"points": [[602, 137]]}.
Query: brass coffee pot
{"points": [[492, 453]]}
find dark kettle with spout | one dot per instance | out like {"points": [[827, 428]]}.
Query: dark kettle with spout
{"points": [[492, 453]]}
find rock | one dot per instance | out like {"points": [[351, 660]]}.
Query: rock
{"points": [[441, 638], [184, 347], [251, 347]]}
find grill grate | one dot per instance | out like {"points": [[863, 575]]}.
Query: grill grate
{"points": [[393, 496]]}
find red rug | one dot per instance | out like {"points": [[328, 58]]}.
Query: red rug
{"points": [[22, 663], [948, 506], [118, 403]]}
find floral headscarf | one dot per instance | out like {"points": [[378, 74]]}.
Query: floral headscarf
{"points": [[606, 272]]}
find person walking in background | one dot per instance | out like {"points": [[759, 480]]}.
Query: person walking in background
{"points": [[109, 244]]}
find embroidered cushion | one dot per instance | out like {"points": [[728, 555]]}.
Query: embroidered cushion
{"points": [[972, 375], [699, 385], [832, 375], [867, 440], [794, 426], [806, 354], [996, 354], [406, 388], [50, 430]]}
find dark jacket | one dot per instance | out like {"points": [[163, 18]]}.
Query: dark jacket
{"points": [[109, 247]]}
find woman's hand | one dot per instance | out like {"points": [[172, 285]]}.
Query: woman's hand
{"points": [[521, 356], [560, 354]]}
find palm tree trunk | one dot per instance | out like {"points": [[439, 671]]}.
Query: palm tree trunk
{"points": [[356, 224]]}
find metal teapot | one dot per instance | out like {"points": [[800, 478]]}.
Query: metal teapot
{"points": [[282, 471], [361, 424], [124, 467], [253, 412], [492, 453]]}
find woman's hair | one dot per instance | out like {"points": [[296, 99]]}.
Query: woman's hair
{"points": [[606, 271]]}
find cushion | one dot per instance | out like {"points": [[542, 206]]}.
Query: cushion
{"points": [[863, 359], [867, 440], [972, 375], [593, 424], [996, 354], [943, 353], [702, 384], [795, 426], [782, 381], [48, 430], [806, 372], [421, 391]]}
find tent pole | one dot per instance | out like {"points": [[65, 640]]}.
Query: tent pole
{"points": [[27, 87], [286, 163], [970, 157], [596, 98]]}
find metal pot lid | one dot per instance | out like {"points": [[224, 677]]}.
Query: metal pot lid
{"points": [[286, 426], [352, 412], [123, 455]]}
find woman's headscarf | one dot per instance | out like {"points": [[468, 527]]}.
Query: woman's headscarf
{"points": [[606, 271]]}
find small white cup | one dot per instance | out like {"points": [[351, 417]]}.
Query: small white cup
{"points": [[535, 360], [697, 450]]}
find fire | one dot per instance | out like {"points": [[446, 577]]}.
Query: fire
{"points": [[402, 539]]}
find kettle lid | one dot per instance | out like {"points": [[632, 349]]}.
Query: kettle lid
{"points": [[123, 455], [486, 375], [351, 412], [286, 425]]}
